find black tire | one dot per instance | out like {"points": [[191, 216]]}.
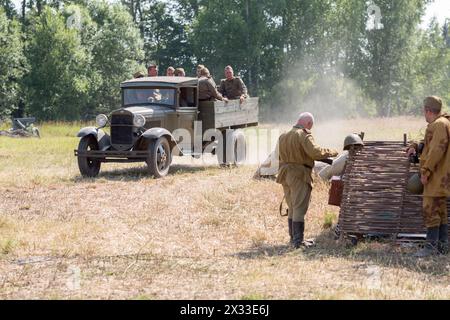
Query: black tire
{"points": [[236, 146], [239, 148], [159, 157], [88, 167]]}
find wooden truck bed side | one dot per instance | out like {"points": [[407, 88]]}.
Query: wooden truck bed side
{"points": [[221, 115]]}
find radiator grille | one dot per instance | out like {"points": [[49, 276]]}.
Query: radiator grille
{"points": [[119, 119], [121, 134]]}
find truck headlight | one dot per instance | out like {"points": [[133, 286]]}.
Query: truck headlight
{"points": [[101, 120], [139, 120]]}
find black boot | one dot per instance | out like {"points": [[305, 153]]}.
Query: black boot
{"points": [[443, 239], [298, 230], [431, 245], [291, 236]]}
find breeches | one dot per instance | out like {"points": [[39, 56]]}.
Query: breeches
{"points": [[434, 211], [298, 196]]}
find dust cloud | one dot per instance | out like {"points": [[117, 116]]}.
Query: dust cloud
{"points": [[337, 102]]}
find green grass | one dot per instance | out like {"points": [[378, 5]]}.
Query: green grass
{"points": [[7, 246], [34, 161], [329, 219]]}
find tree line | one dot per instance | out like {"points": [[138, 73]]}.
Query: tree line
{"points": [[64, 60]]}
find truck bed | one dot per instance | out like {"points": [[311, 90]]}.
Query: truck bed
{"points": [[221, 115]]}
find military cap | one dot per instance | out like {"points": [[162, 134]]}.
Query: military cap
{"points": [[179, 72], [433, 103], [139, 74]]}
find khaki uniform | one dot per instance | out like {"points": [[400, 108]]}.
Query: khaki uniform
{"points": [[207, 90], [435, 164], [297, 152], [233, 89]]}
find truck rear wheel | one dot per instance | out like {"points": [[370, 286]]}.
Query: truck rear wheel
{"points": [[234, 148], [89, 167], [159, 157]]}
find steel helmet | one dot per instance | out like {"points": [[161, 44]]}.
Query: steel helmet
{"points": [[352, 140], [414, 184]]}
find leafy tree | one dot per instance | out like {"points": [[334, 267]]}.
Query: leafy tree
{"points": [[165, 36], [12, 64], [8, 8], [294, 54], [385, 55], [431, 74], [57, 85], [79, 56], [117, 51]]}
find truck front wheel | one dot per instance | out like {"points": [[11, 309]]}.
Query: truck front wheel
{"points": [[159, 157], [89, 167]]}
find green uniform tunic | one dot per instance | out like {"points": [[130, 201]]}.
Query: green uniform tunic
{"points": [[435, 164], [207, 90], [233, 89], [297, 152]]}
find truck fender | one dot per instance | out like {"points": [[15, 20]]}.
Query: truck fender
{"points": [[156, 133], [103, 139]]}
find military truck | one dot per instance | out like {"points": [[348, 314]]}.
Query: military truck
{"points": [[162, 117]]}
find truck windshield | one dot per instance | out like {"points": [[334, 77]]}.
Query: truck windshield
{"points": [[149, 96]]}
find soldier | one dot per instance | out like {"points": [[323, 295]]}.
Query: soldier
{"points": [[199, 68], [297, 152], [138, 74], [233, 87], [152, 70], [206, 87], [179, 72], [435, 177], [352, 142], [170, 71]]}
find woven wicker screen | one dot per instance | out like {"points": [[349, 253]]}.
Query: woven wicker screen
{"points": [[375, 199]]}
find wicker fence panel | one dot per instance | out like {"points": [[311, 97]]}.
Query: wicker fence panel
{"points": [[374, 198]]}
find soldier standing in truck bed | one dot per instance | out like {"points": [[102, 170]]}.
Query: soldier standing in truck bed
{"points": [[206, 87], [233, 87]]}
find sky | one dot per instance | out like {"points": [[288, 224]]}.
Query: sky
{"points": [[440, 9]]}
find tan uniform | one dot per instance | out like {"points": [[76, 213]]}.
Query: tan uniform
{"points": [[233, 89], [435, 164], [207, 90], [297, 152]]}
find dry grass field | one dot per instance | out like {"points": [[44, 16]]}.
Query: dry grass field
{"points": [[203, 232]]}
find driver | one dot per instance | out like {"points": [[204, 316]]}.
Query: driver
{"points": [[155, 96]]}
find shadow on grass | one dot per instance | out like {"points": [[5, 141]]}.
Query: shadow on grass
{"points": [[383, 253], [140, 173]]}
